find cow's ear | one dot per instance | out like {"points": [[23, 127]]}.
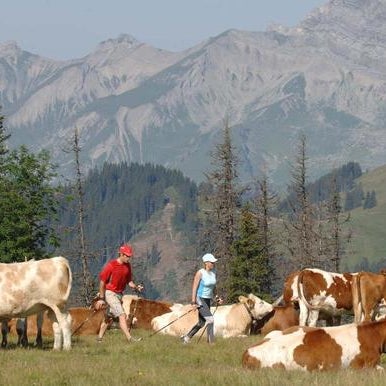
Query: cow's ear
{"points": [[251, 303], [242, 299]]}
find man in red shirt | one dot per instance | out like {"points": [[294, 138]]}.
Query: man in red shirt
{"points": [[113, 280]]}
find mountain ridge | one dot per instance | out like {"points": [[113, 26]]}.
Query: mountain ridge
{"points": [[324, 77]]}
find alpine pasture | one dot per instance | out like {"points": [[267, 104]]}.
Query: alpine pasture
{"points": [[157, 360]]}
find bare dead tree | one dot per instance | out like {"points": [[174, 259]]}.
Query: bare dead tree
{"points": [[87, 289], [338, 236], [302, 236]]}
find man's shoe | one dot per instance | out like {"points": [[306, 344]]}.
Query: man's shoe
{"points": [[132, 339]]}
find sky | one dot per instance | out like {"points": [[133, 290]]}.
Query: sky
{"points": [[70, 29]]}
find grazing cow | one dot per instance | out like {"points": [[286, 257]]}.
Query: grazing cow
{"points": [[229, 320], [328, 348], [316, 290], [34, 286], [282, 318], [141, 311], [369, 294]]}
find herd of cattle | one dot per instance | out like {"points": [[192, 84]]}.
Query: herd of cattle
{"points": [[35, 294]]}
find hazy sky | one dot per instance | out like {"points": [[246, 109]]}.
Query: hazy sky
{"points": [[68, 29]]}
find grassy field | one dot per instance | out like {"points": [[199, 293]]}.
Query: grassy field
{"points": [[157, 360]]}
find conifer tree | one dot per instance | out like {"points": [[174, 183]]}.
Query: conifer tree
{"points": [[223, 203], [247, 267]]}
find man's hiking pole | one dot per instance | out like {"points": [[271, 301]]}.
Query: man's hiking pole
{"points": [[175, 320]]}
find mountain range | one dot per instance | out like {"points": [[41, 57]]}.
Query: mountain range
{"points": [[325, 78]]}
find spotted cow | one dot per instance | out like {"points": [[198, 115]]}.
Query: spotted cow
{"points": [[34, 286], [315, 291], [320, 348]]}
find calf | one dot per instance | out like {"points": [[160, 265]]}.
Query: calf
{"points": [[35, 286], [329, 348], [229, 320]]}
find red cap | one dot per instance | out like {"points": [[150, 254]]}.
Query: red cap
{"points": [[126, 249]]}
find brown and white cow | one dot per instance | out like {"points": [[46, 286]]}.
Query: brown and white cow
{"points": [[316, 348], [316, 290], [369, 294], [34, 286], [141, 311], [229, 320]]}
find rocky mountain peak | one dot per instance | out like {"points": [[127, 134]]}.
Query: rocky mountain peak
{"points": [[9, 48], [124, 40]]}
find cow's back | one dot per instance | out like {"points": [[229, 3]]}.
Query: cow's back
{"points": [[326, 290], [25, 287]]}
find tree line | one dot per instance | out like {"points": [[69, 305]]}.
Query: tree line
{"points": [[257, 236]]}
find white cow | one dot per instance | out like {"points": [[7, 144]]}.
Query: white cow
{"points": [[34, 286], [229, 321]]}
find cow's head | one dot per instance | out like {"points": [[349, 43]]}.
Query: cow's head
{"points": [[258, 307]]}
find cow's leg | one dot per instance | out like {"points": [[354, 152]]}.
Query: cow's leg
{"points": [[21, 329], [303, 314], [312, 318], [4, 333], [39, 323], [62, 328]]}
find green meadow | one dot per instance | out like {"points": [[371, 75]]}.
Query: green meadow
{"points": [[157, 360]]}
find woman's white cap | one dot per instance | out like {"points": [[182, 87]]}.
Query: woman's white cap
{"points": [[208, 257]]}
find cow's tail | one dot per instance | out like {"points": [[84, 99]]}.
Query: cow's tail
{"points": [[68, 273], [357, 297], [301, 295]]}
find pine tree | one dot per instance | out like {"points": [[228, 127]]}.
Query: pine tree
{"points": [[223, 203], [247, 267]]}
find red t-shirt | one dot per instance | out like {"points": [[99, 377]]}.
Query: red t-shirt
{"points": [[116, 275]]}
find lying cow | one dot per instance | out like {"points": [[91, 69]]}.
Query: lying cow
{"points": [[329, 348], [229, 320], [369, 294], [141, 311], [282, 318], [84, 321], [316, 290], [35, 286]]}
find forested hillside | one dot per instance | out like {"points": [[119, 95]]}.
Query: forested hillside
{"points": [[156, 209], [118, 202]]}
